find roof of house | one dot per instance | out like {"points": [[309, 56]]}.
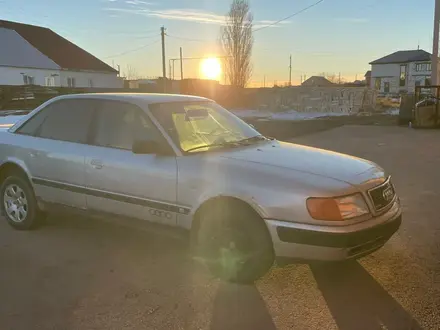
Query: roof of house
{"points": [[20, 53], [317, 81], [404, 56], [368, 73], [56, 48]]}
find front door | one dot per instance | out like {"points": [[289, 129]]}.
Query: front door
{"points": [[121, 182]]}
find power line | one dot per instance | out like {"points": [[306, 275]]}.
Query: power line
{"points": [[190, 39], [187, 39], [290, 16], [150, 31], [148, 36], [131, 51]]}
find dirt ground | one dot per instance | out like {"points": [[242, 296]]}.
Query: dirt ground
{"points": [[76, 273]]}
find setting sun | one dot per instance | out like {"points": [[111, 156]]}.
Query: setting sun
{"points": [[211, 68]]}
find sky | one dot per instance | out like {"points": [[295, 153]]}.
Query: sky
{"points": [[335, 36]]}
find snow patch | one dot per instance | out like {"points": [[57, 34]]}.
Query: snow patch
{"points": [[393, 111], [285, 115]]}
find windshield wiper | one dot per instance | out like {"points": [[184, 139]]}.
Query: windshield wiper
{"points": [[246, 141], [252, 139], [223, 144]]}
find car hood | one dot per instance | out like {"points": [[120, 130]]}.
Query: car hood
{"points": [[310, 160]]}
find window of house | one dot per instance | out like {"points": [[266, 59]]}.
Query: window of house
{"points": [[71, 82], [427, 81], [28, 80], [120, 124], [67, 120], [417, 82], [377, 84], [49, 81], [402, 76], [386, 87], [423, 67]]}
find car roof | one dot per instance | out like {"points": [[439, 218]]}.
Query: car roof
{"points": [[136, 98]]}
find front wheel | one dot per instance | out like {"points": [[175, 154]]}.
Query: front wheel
{"points": [[18, 203], [233, 241]]}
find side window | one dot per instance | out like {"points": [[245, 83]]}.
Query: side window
{"points": [[31, 126], [68, 120], [119, 124]]}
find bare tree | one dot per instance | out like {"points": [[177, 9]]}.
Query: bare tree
{"points": [[329, 76], [131, 73], [332, 78], [237, 42]]}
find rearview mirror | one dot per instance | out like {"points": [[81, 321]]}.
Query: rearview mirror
{"points": [[147, 147], [195, 114]]}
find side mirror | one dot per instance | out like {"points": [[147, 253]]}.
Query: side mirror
{"points": [[145, 147]]}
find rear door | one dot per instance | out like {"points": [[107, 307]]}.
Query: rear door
{"points": [[56, 139], [121, 182]]}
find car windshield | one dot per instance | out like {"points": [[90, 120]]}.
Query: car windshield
{"points": [[203, 126]]}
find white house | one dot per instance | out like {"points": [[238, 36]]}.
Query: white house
{"points": [[401, 71], [38, 56]]}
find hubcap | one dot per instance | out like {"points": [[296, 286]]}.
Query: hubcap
{"points": [[15, 203]]}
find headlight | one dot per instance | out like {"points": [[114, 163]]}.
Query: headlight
{"points": [[337, 209]]}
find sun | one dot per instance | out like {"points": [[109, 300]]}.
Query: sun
{"points": [[211, 68]]}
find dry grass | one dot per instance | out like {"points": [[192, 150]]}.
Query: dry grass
{"points": [[387, 102]]}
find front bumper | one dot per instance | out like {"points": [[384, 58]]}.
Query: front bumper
{"points": [[332, 243]]}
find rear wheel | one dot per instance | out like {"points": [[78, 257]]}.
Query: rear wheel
{"points": [[233, 241], [18, 203]]}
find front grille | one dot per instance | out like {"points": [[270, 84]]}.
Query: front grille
{"points": [[382, 195]]}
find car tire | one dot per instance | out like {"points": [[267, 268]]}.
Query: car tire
{"points": [[18, 203], [234, 243]]}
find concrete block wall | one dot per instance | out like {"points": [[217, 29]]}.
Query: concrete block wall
{"points": [[338, 99]]}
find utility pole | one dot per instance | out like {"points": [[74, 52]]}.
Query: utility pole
{"points": [[290, 71], [434, 64], [169, 70], [164, 67], [339, 78], [264, 81], [181, 64], [119, 70]]}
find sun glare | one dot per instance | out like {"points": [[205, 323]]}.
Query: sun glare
{"points": [[211, 68]]}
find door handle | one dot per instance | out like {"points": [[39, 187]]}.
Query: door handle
{"points": [[34, 154], [96, 163]]}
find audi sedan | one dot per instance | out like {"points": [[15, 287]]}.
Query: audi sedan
{"points": [[186, 162]]}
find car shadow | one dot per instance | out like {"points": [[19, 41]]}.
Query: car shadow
{"points": [[240, 307], [357, 301]]}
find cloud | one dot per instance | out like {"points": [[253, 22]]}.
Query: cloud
{"points": [[353, 20], [137, 2], [189, 15]]}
